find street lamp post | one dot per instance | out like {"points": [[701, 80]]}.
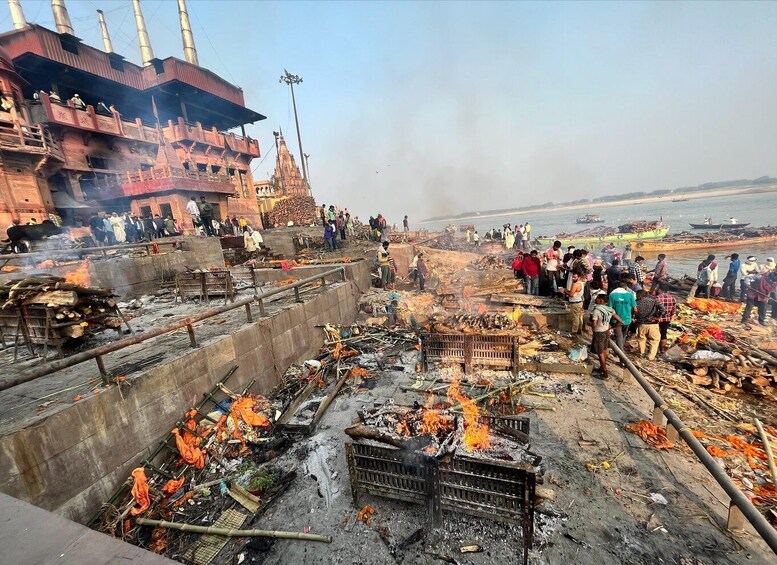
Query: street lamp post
{"points": [[291, 80]]}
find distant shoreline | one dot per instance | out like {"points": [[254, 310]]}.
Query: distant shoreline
{"points": [[715, 193]]}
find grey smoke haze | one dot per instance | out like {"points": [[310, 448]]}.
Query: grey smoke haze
{"points": [[430, 108]]}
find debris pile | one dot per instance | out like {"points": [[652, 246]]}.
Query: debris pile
{"points": [[489, 262], [301, 210]]}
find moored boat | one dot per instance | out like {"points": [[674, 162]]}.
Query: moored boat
{"points": [[634, 231], [719, 226], [663, 245], [590, 219]]}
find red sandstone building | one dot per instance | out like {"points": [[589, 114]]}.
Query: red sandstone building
{"points": [[146, 138]]}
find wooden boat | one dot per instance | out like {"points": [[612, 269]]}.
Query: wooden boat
{"points": [[590, 219], [719, 226], [649, 246], [679, 200], [582, 238]]}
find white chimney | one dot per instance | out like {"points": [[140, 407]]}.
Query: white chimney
{"points": [[17, 15], [104, 29], [61, 17], [146, 53], [189, 51]]}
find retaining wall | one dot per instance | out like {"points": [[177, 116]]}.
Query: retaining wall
{"points": [[131, 277], [71, 462]]}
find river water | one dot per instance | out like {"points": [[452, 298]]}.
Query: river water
{"points": [[757, 209]]}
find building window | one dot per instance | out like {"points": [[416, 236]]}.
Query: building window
{"points": [[97, 162], [165, 210], [145, 211]]}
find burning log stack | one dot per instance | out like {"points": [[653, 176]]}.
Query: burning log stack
{"points": [[67, 310], [301, 210]]}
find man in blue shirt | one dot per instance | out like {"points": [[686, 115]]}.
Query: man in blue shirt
{"points": [[624, 302], [730, 280]]}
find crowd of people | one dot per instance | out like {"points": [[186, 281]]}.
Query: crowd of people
{"points": [[115, 228], [515, 237], [614, 294], [337, 223]]}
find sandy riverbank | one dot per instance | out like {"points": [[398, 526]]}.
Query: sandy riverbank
{"points": [[591, 205]]}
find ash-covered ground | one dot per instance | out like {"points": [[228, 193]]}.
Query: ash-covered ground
{"points": [[606, 516]]}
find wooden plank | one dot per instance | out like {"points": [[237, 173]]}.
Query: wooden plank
{"points": [[524, 300], [557, 368]]}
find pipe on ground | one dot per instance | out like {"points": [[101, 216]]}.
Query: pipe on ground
{"points": [[756, 519]]}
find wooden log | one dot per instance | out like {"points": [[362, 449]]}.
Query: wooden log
{"points": [[362, 431], [699, 380], [700, 371], [54, 298], [84, 291], [227, 532]]}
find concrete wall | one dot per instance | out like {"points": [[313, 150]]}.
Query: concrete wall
{"points": [[74, 460], [131, 277]]}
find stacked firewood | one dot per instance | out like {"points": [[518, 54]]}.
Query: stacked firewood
{"points": [[301, 210], [473, 323], [72, 309], [638, 226], [739, 365]]}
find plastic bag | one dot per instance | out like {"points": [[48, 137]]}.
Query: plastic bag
{"points": [[579, 353]]}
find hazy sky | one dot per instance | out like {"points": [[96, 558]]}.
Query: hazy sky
{"points": [[428, 108]]}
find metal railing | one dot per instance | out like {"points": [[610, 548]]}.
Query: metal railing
{"points": [[739, 506], [98, 353]]}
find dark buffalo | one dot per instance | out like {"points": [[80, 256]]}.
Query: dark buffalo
{"points": [[19, 235]]}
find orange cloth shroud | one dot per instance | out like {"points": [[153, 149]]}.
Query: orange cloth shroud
{"points": [[189, 452], [140, 492]]}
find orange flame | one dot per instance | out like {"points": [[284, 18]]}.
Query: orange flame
{"points": [[476, 434], [403, 429], [432, 422], [80, 276]]}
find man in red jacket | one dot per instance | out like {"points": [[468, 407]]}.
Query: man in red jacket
{"points": [[518, 266], [758, 295], [531, 272]]}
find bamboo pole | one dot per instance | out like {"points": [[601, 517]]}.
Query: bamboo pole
{"points": [[231, 533], [768, 449]]}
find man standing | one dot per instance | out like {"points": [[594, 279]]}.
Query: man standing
{"points": [[747, 273], [322, 215], [97, 226], [575, 294], [476, 238], [422, 271], [614, 274], [519, 238], [649, 311], [385, 266], [660, 272], [206, 215], [600, 324], [531, 270], [758, 295], [636, 270], [329, 237], [527, 233], [669, 304], [194, 212], [730, 280], [405, 227], [552, 258], [108, 227], [624, 302]]}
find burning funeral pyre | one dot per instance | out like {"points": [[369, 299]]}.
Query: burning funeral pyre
{"points": [[442, 427], [46, 310]]}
